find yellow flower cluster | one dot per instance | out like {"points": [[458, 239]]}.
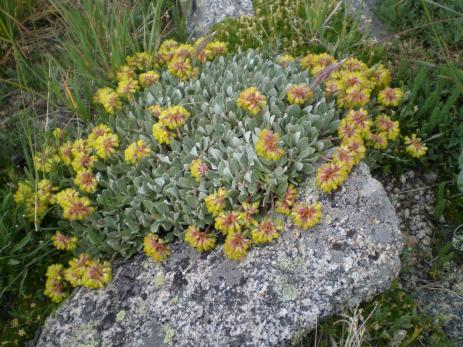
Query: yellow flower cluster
{"points": [[236, 246], [215, 202], [137, 151], [74, 207], [299, 94], [170, 118], [201, 240], [267, 230], [284, 205], [64, 242], [141, 69], [198, 169], [285, 59], [228, 222], [268, 145], [82, 271], [54, 284], [47, 160], [306, 215], [251, 100], [156, 248], [415, 146], [36, 198]]}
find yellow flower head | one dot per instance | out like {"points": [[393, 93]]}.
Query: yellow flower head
{"points": [[252, 101], [161, 134], [355, 97], [137, 151], [390, 96], [184, 51], [55, 271], [106, 145], [64, 197], [78, 209], [174, 117], [332, 86], [228, 222], [356, 146], [80, 146], [181, 67], [268, 145], [236, 246], [156, 248], [378, 140], [23, 193], [285, 59], [415, 147], [77, 267], [354, 65], [306, 215], [360, 119], [155, 110], [47, 160], [380, 76], [148, 78], [299, 94], [83, 162], [248, 213], [125, 72], [331, 175], [96, 274], [167, 50], [97, 132], [58, 133], [109, 99], [267, 230], [388, 126], [348, 129], [284, 205], [344, 156], [215, 48], [64, 242], [126, 88], [321, 62], [308, 61], [198, 239], [355, 79], [54, 289], [215, 202], [86, 181], [65, 152], [198, 169], [141, 61]]}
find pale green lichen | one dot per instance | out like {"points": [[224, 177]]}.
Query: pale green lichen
{"points": [[141, 309], [174, 300], [120, 315], [159, 280], [83, 330], [328, 219], [169, 334], [287, 290]]}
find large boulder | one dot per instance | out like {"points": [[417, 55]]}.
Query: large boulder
{"points": [[205, 13], [279, 292]]}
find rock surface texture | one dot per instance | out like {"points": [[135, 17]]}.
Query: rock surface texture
{"points": [[279, 292], [205, 13]]}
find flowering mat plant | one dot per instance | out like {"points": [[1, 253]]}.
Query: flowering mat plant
{"points": [[198, 145]]}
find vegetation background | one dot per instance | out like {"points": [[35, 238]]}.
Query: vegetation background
{"points": [[55, 54]]}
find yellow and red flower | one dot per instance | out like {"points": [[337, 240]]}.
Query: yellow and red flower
{"points": [[64, 242], [248, 213], [236, 246], [390, 96], [415, 147], [126, 88], [156, 248], [86, 181], [182, 68], [174, 117], [331, 175], [228, 222], [386, 125], [96, 274], [348, 129], [267, 230], [306, 215], [198, 239], [252, 100], [268, 145], [378, 140], [344, 156], [162, 135], [136, 151], [106, 145], [148, 78], [284, 205], [198, 169], [285, 59], [215, 202], [299, 94], [360, 119]]}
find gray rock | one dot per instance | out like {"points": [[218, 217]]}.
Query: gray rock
{"points": [[273, 297], [205, 13]]}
